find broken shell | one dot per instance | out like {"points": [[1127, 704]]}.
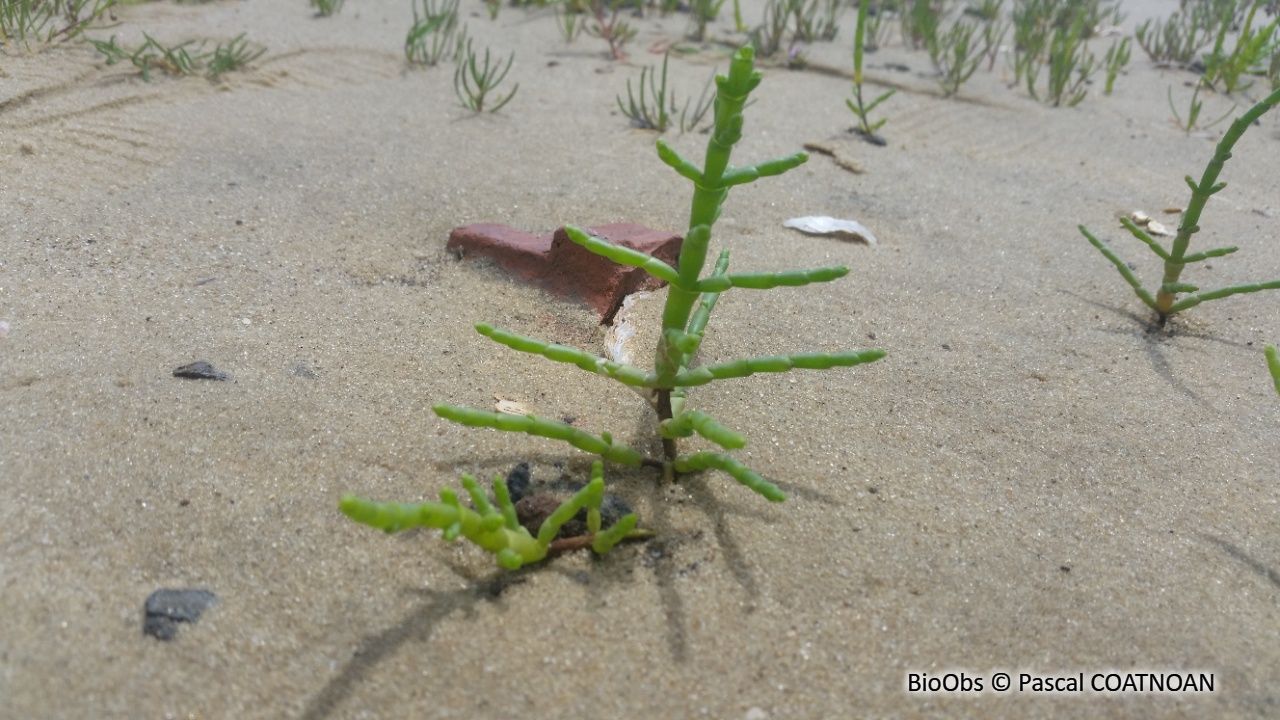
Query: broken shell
{"points": [[1155, 228], [824, 225], [511, 407], [1139, 218], [617, 339]]}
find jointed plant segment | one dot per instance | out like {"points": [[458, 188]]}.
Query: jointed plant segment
{"points": [[496, 530], [1166, 301], [861, 109], [691, 297]]}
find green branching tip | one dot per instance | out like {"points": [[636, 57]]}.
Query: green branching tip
{"points": [[741, 473]]}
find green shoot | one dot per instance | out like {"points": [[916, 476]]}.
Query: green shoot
{"points": [[431, 36], [1117, 57], [1187, 30], [179, 59], [1273, 365], [691, 297], [606, 24], [862, 109], [326, 8], [1166, 300], [1252, 47], [474, 82], [1193, 112], [955, 54], [48, 21], [231, 56], [658, 110], [496, 530], [702, 12], [569, 20]]}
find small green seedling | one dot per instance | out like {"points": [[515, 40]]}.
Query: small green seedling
{"points": [[1166, 301], [691, 297], [1253, 46], [1117, 57], [1193, 111], [230, 56], [607, 24], [326, 8], [861, 109], [498, 530], [473, 83], [47, 21], [182, 59], [1273, 364], [658, 110], [431, 36]]}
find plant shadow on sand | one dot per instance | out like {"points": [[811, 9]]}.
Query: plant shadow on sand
{"points": [[1153, 337]]}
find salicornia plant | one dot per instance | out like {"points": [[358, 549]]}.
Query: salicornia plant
{"points": [[473, 81], [1253, 46], [861, 109], [1193, 111], [691, 297], [1166, 301], [658, 110], [1117, 58], [48, 21], [497, 530], [431, 36]]}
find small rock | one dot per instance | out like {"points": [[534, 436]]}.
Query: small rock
{"points": [[518, 482], [166, 608], [201, 370]]}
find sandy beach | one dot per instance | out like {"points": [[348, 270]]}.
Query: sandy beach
{"points": [[1035, 480]]}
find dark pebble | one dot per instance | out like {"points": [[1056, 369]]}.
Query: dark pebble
{"points": [[200, 370], [166, 608], [518, 481]]}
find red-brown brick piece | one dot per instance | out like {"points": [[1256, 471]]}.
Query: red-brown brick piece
{"points": [[567, 269]]}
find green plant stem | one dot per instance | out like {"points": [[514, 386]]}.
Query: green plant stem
{"points": [[1200, 194], [496, 530], [1166, 301]]}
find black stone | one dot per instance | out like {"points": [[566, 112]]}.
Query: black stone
{"points": [[166, 608], [518, 481], [201, 370]]}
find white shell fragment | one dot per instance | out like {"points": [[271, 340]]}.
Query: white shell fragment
{"points": [[511, 407], [824, 225], [618, 338], [1152, 227]]}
